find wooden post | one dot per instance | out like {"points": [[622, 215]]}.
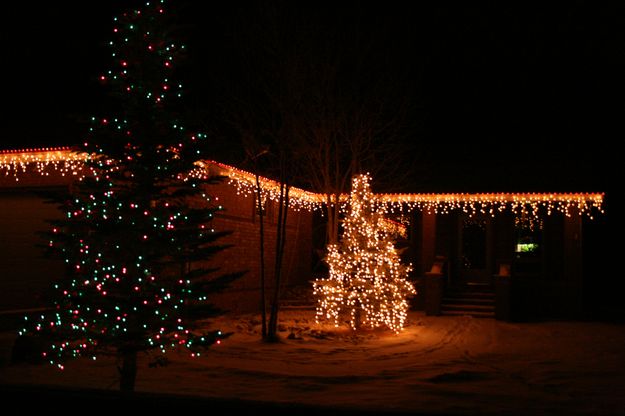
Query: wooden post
{"points": [[428, 240], [434, 285], [573, 261]]}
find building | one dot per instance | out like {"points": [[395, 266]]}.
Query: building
{"points": [[514, 256], [25, 273], [514, 268]]}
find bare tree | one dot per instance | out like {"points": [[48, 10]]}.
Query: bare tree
{"points": [[337, 96], [283, 209], [261, 228], [327, 95], [270, 329]]}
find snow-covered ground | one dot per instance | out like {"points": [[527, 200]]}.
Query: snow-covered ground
{"points": [[443, 365]]}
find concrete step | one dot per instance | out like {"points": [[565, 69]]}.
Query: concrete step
{"points": [[467, 307], [471, 300], [468, 301], [474, 314], [469, 294]]}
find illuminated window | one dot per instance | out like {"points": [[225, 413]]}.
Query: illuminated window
{"points": [[527, 247], [528, 236]]}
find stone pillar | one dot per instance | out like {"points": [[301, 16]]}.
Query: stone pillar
{"points": [[434, 287], [428, 239], [423, 245]]}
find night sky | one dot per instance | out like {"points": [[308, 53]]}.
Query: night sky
{"points": [[498, 95]]}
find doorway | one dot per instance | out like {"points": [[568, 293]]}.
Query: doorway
{"points": [[475, 250]]}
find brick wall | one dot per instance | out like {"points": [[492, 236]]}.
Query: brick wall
{"points": [[240, 218], [24, 274], [30, 179]]}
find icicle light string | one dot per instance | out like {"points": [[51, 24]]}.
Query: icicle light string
{"points": [[61, 160], [65, 161], [472, 204]]}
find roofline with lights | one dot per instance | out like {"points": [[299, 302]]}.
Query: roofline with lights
{"points": [[64, 159]]}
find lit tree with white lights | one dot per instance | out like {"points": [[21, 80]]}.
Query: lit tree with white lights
{"points": [[367, 284], [137, 230]]}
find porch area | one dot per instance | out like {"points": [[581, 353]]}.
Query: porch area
{"points": [[502, 266]]}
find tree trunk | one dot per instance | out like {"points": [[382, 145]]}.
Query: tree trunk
{"points": [[330, 221], [358, 318], [128, 370], [272, 333], [263, 307], [333, 210]]}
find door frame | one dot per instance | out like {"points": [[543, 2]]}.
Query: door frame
{"points": [[475, 276]]}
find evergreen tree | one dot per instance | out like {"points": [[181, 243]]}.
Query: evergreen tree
{"points": [[367, 283], [137, 231]]}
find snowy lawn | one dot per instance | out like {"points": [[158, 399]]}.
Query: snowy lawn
{"points": [[436, 365]]}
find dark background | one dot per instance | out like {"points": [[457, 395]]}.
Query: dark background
{"points": [[504, 96]]}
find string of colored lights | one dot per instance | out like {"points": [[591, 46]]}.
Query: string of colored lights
{"points": [[162, 51], [131, 244], [66, 161]]}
